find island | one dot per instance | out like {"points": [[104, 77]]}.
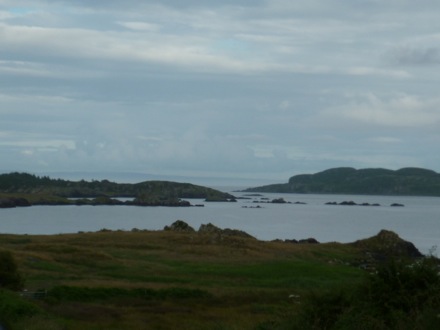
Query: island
{"points": [[409, 181], [24, 189]]}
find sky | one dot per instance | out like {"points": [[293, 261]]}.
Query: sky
{"points": [[238, 90]]}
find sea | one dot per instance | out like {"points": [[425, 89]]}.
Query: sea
{"points": [[302, 216]]}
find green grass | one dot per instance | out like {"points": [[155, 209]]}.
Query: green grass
{"points": [[142, 280]]}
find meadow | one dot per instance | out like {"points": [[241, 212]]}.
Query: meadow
{"points": [[167, 280], [164, 280]]}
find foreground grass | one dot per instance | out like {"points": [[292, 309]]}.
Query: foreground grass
{"points": [[165, 280]]}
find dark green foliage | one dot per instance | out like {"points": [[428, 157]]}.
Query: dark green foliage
{"points": [[9, 275], [177, 190], [14, 308], [15, 180], [401, 288], [323, 309], [347, 180], [414, 171], [24, 183], [399, 295]]}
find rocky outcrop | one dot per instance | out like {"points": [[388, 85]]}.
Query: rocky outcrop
{"points": [[11, 202], [207, 230], [153, 201], [387, 245], [210, 229], [275, 201], [310, 240], [180, 226], [6, 203], [351, 203], [21, 202], [278, 201]]}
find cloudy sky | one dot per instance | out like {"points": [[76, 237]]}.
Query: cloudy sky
{"points": [[232, 89]]}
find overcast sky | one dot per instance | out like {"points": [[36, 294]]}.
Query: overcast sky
{"points": [[234, 89]]}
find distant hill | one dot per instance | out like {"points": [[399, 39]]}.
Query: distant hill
{"points": [[34, 187], [408, 181]]}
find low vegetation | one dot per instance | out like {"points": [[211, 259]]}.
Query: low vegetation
{"points": [[207, 279], [399, 295]]}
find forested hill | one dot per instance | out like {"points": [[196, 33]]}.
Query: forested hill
{"points": [[346, 180], [23, 183]]}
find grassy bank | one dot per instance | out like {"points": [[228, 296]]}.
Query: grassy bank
{"points": [[167, 280]]}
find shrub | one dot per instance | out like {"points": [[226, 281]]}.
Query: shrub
{"points": [[400, 295], [13, 308], [9, 276], [401, 292]]}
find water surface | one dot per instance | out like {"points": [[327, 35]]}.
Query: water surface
{"points": [[418, 221]]}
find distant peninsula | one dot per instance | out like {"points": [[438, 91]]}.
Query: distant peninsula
{"points": [[409, 181], [23, 189]]}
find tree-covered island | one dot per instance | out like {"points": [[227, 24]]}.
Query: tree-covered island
{"points": [[408, 181]]}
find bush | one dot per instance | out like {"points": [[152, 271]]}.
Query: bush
{"points": [[400, 295], [9, 276], [13, 308], [322, 310]]}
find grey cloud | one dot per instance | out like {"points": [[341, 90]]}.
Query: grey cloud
{"points": [[129, 4], [243, 88], [416, 56]]}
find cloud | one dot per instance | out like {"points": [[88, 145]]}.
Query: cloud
{"points": [[224, 40], [191, 52], [385, 139], [245, 87], [29, 144], [415, 56], [140, 26], [4, 15], [371, 71], [399, 111]]}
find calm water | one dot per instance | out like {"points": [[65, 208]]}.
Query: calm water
{"points": [[418, 221]]}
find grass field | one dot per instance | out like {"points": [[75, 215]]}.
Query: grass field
{"points": [[167, 280]]}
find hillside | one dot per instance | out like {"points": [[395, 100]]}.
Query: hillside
{"points": [[182, 278], [347, 180], [43, 190]]}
